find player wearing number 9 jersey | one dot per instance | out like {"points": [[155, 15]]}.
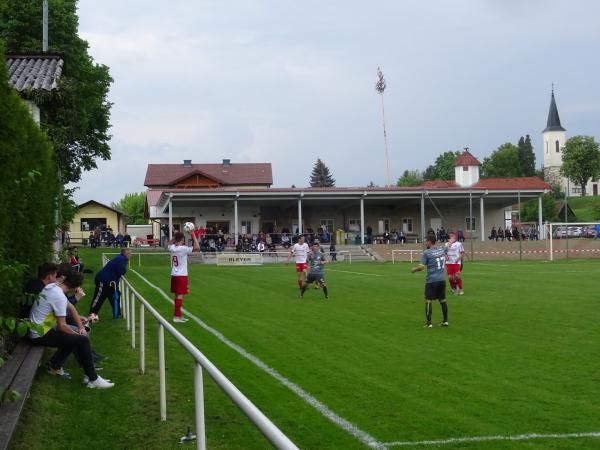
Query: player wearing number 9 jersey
{"points": [[434, 260], [179, 270]]}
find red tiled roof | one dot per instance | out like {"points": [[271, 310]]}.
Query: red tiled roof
{"points": [[440, 184], [232, 174], [152, 196], [512, 183], [466, 159]]}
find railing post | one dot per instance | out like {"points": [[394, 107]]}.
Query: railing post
{"points": [[132, 311], [199, 404], [161, 372], [142, 341], [126, 308]]}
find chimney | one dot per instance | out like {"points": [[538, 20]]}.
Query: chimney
{"points": [[226, 162], [187, 163]]}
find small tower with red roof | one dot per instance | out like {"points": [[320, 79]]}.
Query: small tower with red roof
{"points": [[466, 169]]}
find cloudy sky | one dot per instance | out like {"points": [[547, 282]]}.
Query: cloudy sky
{"points": [[289, 82]]}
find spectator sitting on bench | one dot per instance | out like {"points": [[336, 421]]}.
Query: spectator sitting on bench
{"points": [[74, 260], [50, 311]]}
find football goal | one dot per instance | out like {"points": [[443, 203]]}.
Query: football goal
{"points": [[568, 240]]}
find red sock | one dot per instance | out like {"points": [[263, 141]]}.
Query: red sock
{"points": [[459, 283], [178, 303], [300, 284], [452, 283]]}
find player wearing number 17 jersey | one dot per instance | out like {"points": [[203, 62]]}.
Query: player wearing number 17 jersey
{"points": [[179, 270], [434, 260]]}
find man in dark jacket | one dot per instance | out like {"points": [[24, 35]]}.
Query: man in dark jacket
{"points": [[107, 281]]}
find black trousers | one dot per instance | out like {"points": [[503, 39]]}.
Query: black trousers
{"points": [[66, 344], [101, 293]]}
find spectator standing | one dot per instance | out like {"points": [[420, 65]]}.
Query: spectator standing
{"points": [[107, 281]]}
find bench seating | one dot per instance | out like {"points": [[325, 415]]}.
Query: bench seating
{"points": [[17, 374]]}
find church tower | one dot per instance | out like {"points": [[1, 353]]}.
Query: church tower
{"points": [[553, 138]]}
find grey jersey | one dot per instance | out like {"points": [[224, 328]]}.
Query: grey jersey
{"points": [[315, 261], [435, 261]]}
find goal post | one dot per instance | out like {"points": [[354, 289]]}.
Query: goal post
{"points": [[402, 255], [579, 238]]}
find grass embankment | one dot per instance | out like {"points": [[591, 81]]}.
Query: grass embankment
{"points": [[586, 209]]}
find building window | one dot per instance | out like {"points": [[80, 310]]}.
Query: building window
{"points": [[546, 146], [470, 224], [246, 227], [557, 146], [328, 224], [354, 225], [383, 225], [465, 168], [407, 225], [92, 224]]}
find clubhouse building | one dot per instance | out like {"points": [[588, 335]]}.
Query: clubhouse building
{"points": [[237, 198]]}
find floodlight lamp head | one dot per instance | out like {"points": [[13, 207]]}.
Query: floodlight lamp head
{"points": [[380, 85]]}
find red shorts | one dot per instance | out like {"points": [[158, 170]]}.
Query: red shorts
{"points": [[453, 269], [301, 267], [179, 285]]}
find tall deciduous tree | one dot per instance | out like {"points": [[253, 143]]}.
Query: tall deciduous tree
{"points": [[442, 168], [410, 178], [581, 160], [320, 176], [76, 116], [502, 163], [526, 157], [133, 207]]}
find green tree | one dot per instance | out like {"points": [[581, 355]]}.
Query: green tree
{"points": [[76, 116], [581, 160], [28, 189], [320, 176], [410, 178], [442, 168], [133, 207], [502, 163], [529, 211], [526, 157]]}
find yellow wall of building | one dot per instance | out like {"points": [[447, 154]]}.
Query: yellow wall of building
{"points": [[94, 211]]}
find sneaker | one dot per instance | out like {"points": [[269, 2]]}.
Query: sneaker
{"points": [[180, 319], [58, 372], [443, 324], [461, 292], [100, 383], [427, 325], [86, 379], [94, 318]]}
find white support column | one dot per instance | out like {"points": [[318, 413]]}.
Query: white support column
{"points": [[300, 230], [423, 218], [161, 373], [362, 220], [235, 221], [199, 406], [142, 340], [482, 219], [541, 231], [170, 216]]}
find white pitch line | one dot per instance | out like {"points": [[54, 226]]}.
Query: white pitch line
{"points": [[361, 435], [519, 437], [356, 273]]}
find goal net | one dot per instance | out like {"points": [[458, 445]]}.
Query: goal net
{"points": [[573, 240]]}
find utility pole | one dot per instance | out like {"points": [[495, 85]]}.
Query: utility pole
{"points": [[380, 86], [44, 26]]}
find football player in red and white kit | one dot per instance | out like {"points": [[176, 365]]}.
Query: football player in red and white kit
{"points": [[300, 252], [455, 255], [179, 270]]}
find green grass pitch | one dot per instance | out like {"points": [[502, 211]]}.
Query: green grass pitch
{"points": [[521, 356]]}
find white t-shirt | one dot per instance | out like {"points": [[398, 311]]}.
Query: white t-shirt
{"points": [[454, 251], [51, 303], [179, 259], [300, 252]]}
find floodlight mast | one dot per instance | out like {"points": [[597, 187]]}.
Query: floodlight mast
{"points": [[380, 86]]}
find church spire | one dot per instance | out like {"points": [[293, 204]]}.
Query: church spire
{"points": [[553, 117]]}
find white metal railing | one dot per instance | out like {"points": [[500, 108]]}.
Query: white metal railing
{"points": [[129, 296], [404, 251]]}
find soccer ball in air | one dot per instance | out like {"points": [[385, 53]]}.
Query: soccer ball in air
{"points": [[189, 227]]}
